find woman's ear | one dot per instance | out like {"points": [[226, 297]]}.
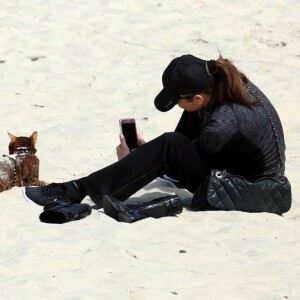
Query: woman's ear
{"points": [[198, 98]]}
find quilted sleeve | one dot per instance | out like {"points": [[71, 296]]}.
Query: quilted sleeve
{"points": [[220, 129]]}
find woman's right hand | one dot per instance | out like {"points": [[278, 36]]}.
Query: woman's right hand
{"points": [[123, 150], [141, 141]]}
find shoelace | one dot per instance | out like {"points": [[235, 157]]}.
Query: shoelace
{"points": [[53, 190]]}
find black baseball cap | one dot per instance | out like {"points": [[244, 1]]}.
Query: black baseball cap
{"points": [[184, 76]]}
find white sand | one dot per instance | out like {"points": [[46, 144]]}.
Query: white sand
{"points": [[103, 60]]}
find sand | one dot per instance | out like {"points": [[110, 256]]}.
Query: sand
{"points": [[70, 70]]}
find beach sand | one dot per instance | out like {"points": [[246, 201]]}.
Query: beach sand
{"points": [[70, 70]]}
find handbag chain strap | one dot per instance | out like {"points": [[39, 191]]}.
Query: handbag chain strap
{"points": [[274, 130]]}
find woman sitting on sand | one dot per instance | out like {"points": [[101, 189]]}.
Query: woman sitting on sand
{"points": [[222, 127]]}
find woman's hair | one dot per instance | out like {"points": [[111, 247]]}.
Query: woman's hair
{"points": [[229, 83]]}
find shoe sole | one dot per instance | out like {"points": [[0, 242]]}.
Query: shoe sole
{"points": [[25, 196]]}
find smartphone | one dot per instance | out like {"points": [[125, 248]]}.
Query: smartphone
{"points": [[128, 129]]}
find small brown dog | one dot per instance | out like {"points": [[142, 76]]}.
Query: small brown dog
{"points": [[23, 168]]}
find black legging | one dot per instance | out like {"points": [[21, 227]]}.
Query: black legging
{"points": [[171, 154]]}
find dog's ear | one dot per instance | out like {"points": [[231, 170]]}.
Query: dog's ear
{"points": [[12, 137], [33, 137]]}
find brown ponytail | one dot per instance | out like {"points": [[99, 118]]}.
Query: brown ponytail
{"points": [[230, 83]]}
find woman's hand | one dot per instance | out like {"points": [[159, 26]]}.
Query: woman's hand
{"points": [[141, 141], [123, 150]]}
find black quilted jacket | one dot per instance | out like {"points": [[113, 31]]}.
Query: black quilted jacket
{"points": [[236, 138]]}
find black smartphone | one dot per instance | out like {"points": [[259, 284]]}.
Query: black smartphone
{"points": [[128, 129]]}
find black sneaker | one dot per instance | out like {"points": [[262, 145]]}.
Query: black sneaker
{"points": [[67, 191]]}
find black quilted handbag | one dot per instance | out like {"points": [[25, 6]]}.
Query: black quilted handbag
{"points": [[232, 192], [226, 191]]}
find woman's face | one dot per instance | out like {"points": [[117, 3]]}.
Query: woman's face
{"points": [[196, 103]]}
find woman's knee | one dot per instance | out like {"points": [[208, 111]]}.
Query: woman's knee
{"points": [[174, 138]]}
